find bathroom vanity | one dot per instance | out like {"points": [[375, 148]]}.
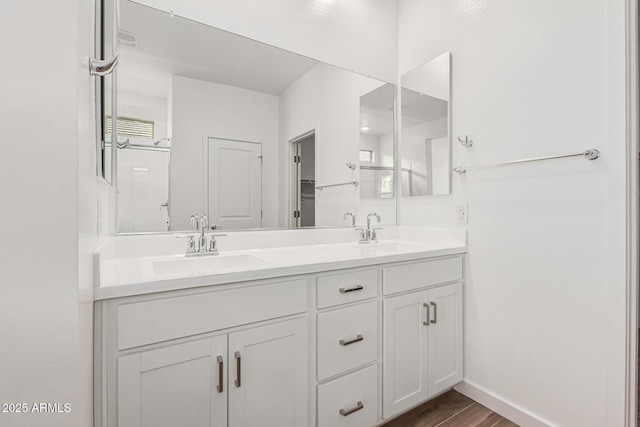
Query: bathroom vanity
{"points": [[336, 334]]}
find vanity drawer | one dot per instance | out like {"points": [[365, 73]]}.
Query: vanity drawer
{"points": [[336, 289], [176, 317], [338, 397], [405, 277], [347, 338]]}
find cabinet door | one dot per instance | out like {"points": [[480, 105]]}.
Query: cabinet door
{"points": [[268, 374], [445, 338], [405, 352], [178, 385]]}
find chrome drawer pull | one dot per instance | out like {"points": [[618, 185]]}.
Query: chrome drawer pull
{"points": [[220, 386], [354, 289], [435, 313], [359, 406], [356, 339], [426, 323], [238, 368]]}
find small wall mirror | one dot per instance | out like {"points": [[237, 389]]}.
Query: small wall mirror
{"points": [[426, 128], [250, 135]]}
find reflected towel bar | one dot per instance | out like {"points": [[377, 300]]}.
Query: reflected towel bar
{"points": [[591, 154], [322, 187]]}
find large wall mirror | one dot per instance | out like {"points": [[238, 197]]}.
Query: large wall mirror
{"points": [[426, 128], [248, 134]]}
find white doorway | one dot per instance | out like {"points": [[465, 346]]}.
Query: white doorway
{"points": [[233, 184], [303, 180]]}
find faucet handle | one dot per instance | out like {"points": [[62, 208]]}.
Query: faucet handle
{"points": [[374, 236], [212, 242], [363, 234], [195, 220], [191, 244]]}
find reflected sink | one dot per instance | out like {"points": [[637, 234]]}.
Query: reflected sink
{"points": [[207, 265]]}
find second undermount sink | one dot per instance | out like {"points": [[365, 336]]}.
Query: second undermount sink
{"points": [[206, 265], [388, 247]]}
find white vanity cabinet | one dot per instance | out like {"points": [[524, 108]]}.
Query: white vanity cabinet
{"points": [[422, 332], [258, 374], [267, 375], [348, 356], [233, 357], [349, 348], [180, 384]]}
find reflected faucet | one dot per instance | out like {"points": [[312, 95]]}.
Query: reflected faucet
{"points": [[353, 218], [204, 224]]}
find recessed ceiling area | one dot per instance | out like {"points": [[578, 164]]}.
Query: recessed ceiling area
{"points": [[167, 45]]}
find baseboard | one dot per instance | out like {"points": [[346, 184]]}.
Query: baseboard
{"points": [[500, 406]]}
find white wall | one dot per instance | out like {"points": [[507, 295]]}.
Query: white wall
{"points": [[326, 99], [545, 270], [219, 111], [48, 192], [365, 30], [142, 107]]}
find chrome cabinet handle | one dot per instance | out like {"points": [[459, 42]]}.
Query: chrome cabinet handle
{"points": [[426, 322], [359, 405], [237, 382], [220, 386], [354, 289], [435, 313], [103, 67], [358, 338]]}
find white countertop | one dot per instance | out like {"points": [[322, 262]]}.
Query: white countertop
{"points": [[134, 275]]}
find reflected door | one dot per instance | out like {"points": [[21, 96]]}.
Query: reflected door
{"points": [[234, 183], [143, 189], [303, 204]]}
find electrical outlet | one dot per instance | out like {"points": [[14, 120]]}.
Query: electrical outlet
{"points": [[461, 214]]}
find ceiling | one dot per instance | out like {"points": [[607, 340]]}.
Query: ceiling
{"points": [[376, 109], [169, 45], [419, 108]]}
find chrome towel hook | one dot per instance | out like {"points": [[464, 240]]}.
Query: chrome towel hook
{"points": [[466, 142]]}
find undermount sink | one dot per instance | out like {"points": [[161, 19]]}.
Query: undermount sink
{"points": [[388, 247], [206, 265]]}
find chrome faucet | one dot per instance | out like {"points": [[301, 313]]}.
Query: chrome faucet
{"points": [[201, 223], [204, 224], [369, 219], [368, 235], [353, 218], [371, 236]]}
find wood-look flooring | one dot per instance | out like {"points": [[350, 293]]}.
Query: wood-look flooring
{"points": [[450, 410]]}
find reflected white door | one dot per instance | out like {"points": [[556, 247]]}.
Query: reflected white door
{"points": [[143, 190], [234, 183]]}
